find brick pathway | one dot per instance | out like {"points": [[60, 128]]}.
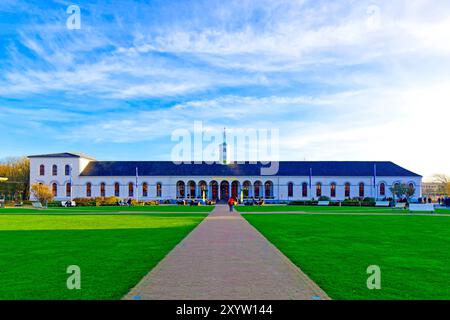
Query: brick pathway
{"points": [[225, 258]]}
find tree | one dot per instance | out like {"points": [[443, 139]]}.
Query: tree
{"points": [[17, 170], [401, 191], [42, 193], [444, 181]]}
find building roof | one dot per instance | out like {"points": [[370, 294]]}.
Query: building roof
{"points": [[62, 155], [286, 168]]}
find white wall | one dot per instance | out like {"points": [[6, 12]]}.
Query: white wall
{"points": [[280, 189]]}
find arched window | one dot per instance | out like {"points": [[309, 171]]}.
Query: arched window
{"points": [[318, 189], [382, 189], [268, 189], [347, 190], [411, 188], [54, 170], [203, 189], [304, 189], [145, 189], [192, 191], [131, 189], [159, 190], [42, 170], [102, 189], [235, 189], [361, 190], [333, 190], [67, 170], [246, 188], [214, 185], [68, 189], [117, 189], [55, 190], [88, 190], [290, 189], [257, 189], [180, 189], [224, 190]]}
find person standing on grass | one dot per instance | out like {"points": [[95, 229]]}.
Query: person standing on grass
{"points": [[231, 203]]}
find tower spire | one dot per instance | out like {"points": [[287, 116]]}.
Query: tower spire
{"points": [[223, 149]]}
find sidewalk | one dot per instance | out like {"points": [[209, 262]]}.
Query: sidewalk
{"points": [[225, 258]]}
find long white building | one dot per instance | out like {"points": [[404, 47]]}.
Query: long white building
{"points": [[72, 175]]}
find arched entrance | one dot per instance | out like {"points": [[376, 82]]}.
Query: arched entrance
{"points": [[180, 189], [203, 191], [235, 189], [246, 188], [224, 190], [214, 187], [257, 189], [192, 190]]}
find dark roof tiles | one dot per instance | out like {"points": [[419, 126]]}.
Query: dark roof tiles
{"points": [[286, 168]]}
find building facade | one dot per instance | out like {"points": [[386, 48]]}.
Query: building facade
{"points": [[72, 175]]}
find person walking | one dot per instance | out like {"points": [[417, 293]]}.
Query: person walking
{"points": [[231, 203]]}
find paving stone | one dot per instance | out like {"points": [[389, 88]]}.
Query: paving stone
{"points": [[225, 258]]}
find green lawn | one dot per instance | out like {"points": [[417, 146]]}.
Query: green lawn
{"points": [[319, 209], [113, 251], [413, 252], [113, 209]]}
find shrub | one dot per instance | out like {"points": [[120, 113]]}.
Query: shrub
{"points": [[351, 202], [85, 202], [324, 198], [53, 204], [106, 201], [151, 203], [137, 203]]}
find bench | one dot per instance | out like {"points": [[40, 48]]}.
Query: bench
{"points": [[37, 205], [429, 207], [400, 205], [382, 204], [323, 203], [64, 204]]}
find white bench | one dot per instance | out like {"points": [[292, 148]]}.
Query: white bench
{"points": [[428, 207], [64, 203], [382, 204], [37, 205], [400, 205], [323, 203]]}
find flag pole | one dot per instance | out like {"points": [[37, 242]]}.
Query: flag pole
{"points": [[310, 183], [70, 181], [137, 185], [375, 180]]}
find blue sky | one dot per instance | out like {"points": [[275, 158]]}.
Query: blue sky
{"points": [[341, 80]]}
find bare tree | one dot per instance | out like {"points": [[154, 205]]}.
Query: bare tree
{"points": [[444, 183]]}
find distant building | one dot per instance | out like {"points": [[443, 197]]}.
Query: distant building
{"points": [[433, 190]]}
